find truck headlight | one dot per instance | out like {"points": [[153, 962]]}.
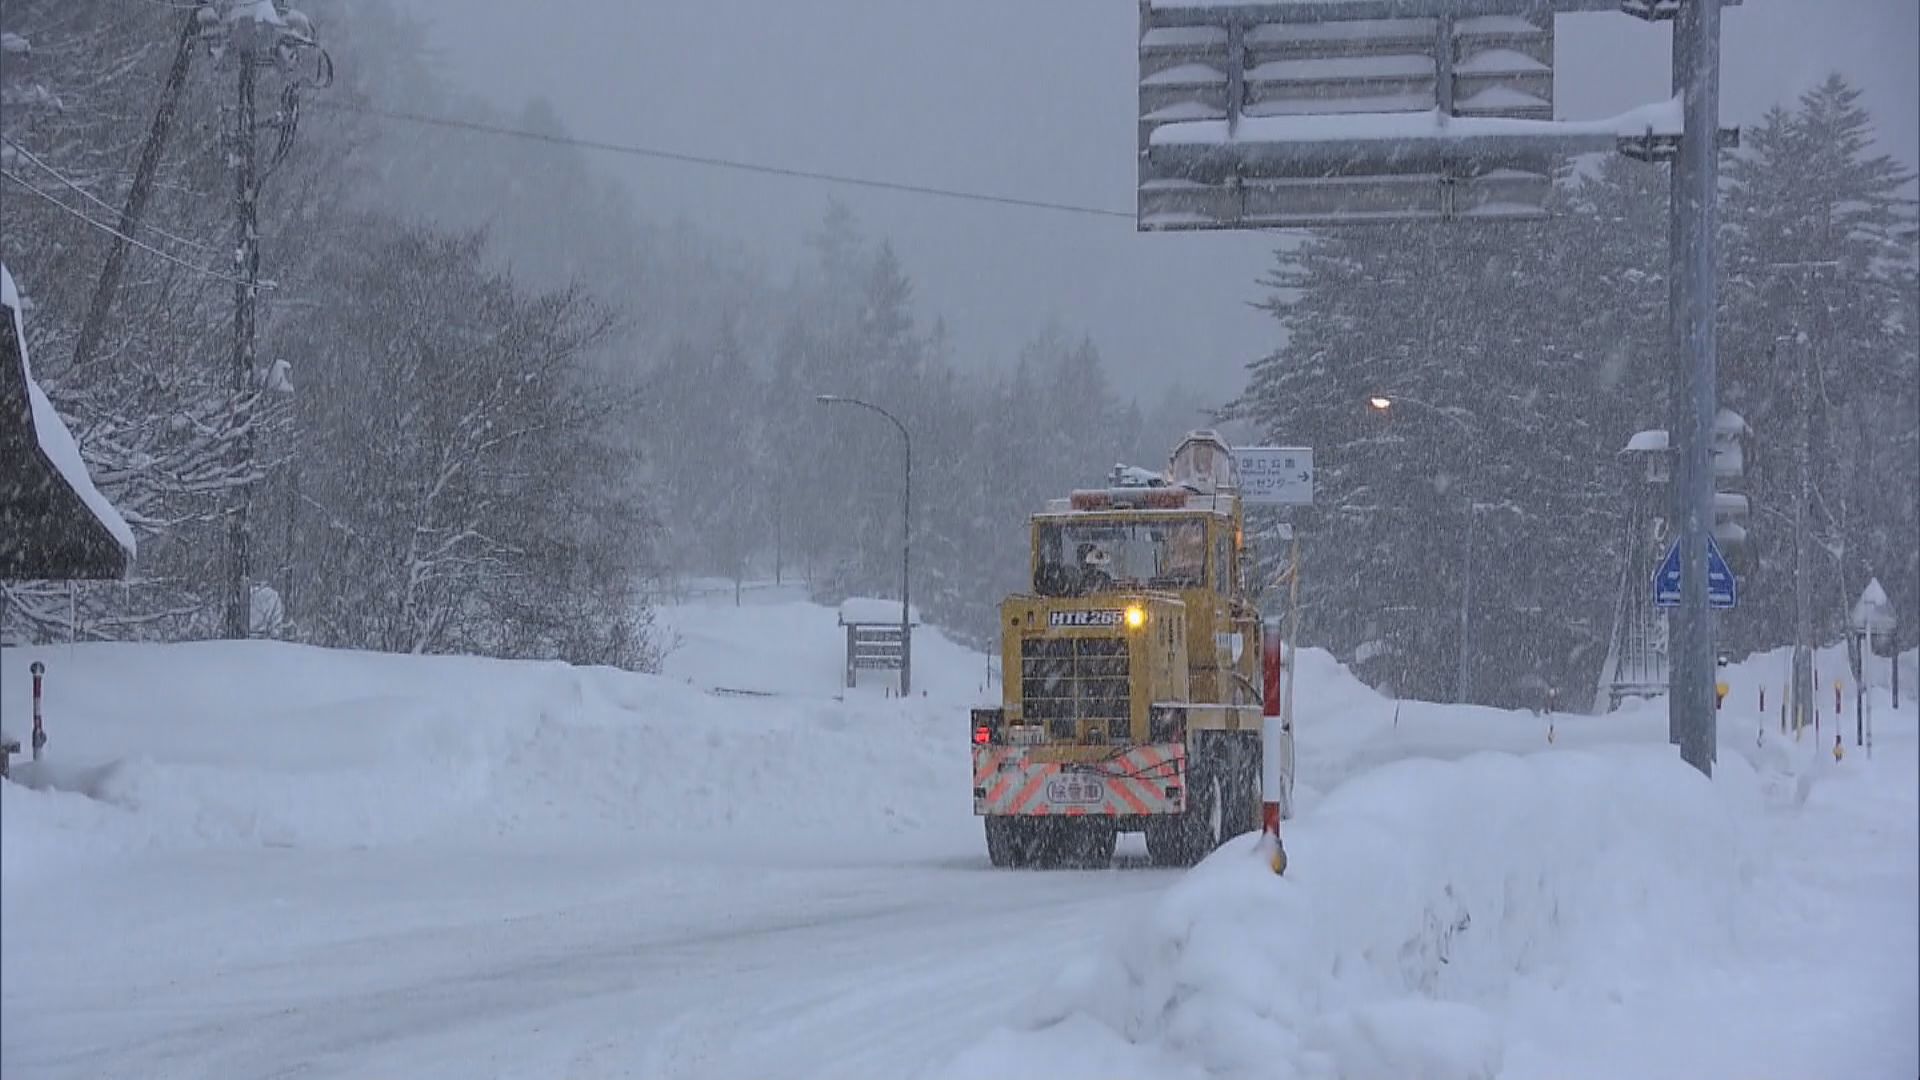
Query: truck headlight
{"points": [[1136, 616]]}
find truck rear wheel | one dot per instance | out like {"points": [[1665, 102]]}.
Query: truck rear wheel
{"points": [[1184, 839], [1011, 841], [1088, 843], [1240, 796]]}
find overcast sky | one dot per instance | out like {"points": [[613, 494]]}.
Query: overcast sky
{"points": [[1032, 98]]}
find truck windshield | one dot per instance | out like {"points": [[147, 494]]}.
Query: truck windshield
{"points": [[1077, 559]]}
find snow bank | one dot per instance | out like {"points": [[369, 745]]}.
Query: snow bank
{"points": [[1469, 900], [259, 743], [1423, 898]]}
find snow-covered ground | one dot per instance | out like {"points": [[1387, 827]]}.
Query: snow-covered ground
{"points": [[254, 860], [1586, 908]]}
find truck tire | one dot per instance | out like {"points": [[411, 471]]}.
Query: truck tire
{"points": [[1184, 839], [1088, 843], [1240, 797], [1011, 841]]}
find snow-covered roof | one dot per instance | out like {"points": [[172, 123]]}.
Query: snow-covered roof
{"points": [[55, 441], [866, 610]]}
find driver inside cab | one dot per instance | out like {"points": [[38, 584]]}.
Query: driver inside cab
{"points": [[1096, 568]]}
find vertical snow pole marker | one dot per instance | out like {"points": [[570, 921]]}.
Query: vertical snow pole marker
{"points": [[1866, 684], [39, 671], [1271, 660]]}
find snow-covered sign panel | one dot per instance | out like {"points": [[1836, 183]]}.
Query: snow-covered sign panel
{"points": [[54, 524], [1275, 475], [1873, 611], [873, 610], [1311, 112]]}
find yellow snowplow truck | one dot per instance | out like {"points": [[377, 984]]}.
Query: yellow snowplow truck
{"points": [[1131, 676]]}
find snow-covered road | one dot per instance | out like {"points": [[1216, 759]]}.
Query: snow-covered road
{"points": [[251, 862], [262, 861], [278, 964]]}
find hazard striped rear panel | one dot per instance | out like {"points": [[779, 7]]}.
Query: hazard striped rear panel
{"points": [[1139, 780]]}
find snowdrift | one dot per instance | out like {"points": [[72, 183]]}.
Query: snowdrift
{"points": [[1424, 898], [1580, 908], [245, 744]]}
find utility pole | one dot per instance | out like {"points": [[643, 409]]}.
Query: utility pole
{"points": [[246, 265], [1693, 263], [1466, 587], [293, 518], [150, 154], [1802, 578]]}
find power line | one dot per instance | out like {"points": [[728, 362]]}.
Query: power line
{"points": [[726, 163], [103, 227], [90, 197]]}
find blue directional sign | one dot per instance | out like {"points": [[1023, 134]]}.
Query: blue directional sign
{"points": [[1722, 589]]}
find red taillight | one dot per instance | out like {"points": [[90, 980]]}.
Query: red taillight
{"points": [[986, 726]]}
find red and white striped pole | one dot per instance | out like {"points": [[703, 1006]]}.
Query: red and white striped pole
{"points": [[1271, 662], [39, 733]]}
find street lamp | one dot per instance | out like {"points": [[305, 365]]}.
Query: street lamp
{"points": [[906, 534], [1383, 404]]}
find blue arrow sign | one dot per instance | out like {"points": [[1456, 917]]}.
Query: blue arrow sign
{"points": [[1722, 588]]}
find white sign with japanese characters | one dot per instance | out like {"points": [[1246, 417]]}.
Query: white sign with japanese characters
{"points": [[1275, 475]]}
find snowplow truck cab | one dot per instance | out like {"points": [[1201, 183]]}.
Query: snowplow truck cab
{"points": [[1131, 698]]}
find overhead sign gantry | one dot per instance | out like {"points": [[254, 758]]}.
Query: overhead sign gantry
{"points": [[1257, 114]]}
